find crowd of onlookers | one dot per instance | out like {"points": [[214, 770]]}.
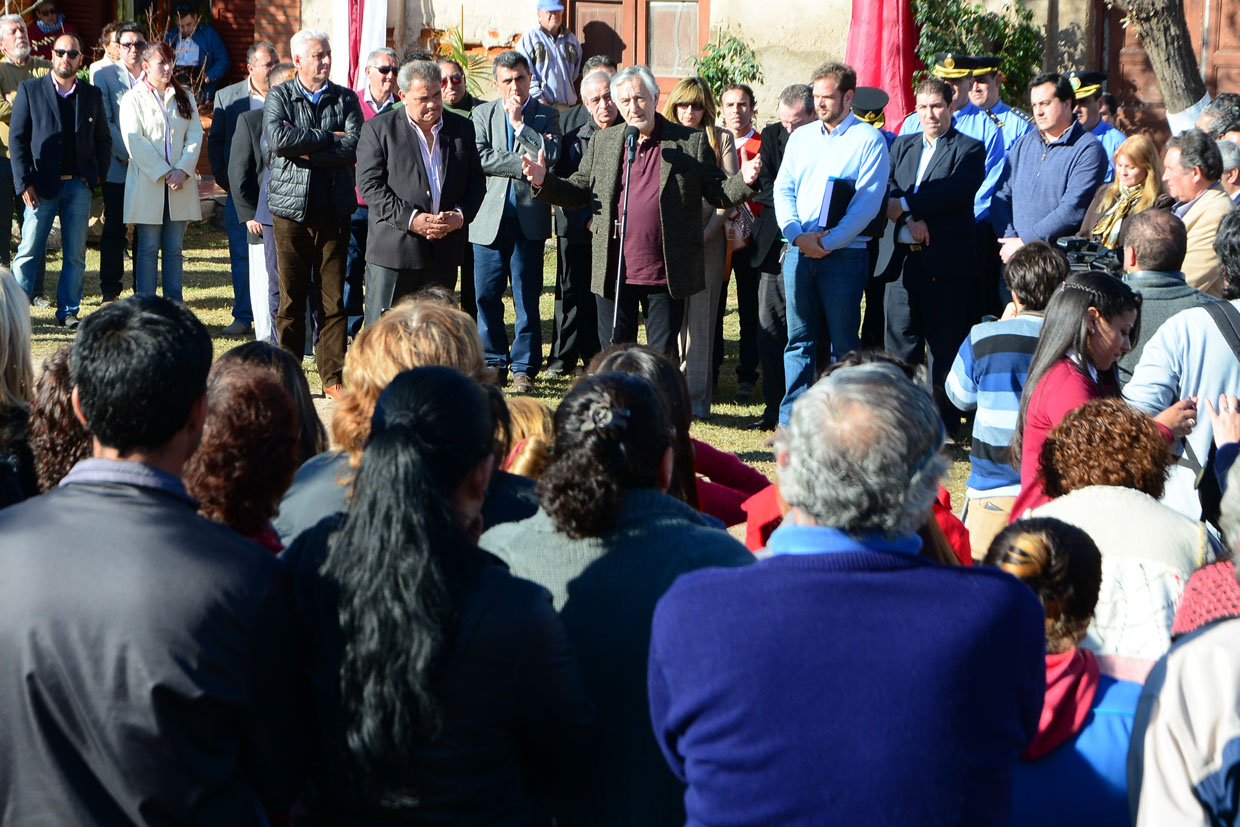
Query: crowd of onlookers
{"points": [[456, 606]]}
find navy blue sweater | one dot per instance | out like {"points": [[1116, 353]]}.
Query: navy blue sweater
{"points": [[846, 688]]}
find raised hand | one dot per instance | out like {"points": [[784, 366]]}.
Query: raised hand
{"points": [[534, 171], [751, 168]]}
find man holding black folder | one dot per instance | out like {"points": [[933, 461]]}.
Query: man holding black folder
{"points": [[830, 186]]}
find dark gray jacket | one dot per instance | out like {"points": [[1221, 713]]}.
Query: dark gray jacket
{"points": [[295, 127], [1163, 294]]}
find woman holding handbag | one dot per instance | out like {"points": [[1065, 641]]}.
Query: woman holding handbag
{"points": [[159, 122]]}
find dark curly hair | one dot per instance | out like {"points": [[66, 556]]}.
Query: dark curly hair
{"points": [[667, 379], [311, 435], [58, 439], [248, 452], [1063, 566], [1105, 442], [611, 433]]}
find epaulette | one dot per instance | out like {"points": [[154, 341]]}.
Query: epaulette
{"points": [[1022, 114]]}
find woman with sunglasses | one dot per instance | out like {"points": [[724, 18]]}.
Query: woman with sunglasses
{"points": [[160, 125]]}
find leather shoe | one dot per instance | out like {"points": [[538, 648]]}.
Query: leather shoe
{"points": [[522, 384], [70, 321], [109, 297], [334, 391], [762, 424], [237, 328]]}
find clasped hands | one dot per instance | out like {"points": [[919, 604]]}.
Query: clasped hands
{"points": [[176, 179], [436, 225]]}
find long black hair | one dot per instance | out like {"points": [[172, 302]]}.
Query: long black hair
{"points": [[431, 427], [611, 433], [657, 369], [1066, 328]]}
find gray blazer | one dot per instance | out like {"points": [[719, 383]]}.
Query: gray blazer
{"points": [[112, 83], [503, 167]]}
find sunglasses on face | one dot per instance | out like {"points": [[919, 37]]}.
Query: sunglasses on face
{"points": [[132, 44], [72, 53], [385, 70], [455, 80]]}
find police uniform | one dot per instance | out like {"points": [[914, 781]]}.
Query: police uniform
{"points": [[868, 105], [1013, 122], [1084, 86]]}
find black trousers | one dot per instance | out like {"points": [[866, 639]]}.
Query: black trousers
{"points": [[112, 242], [984, 298], [465, 291], [872, 326], [928, 317], [663, 317], [747, 278], [575, 335], [386, 286], [772, 337]]}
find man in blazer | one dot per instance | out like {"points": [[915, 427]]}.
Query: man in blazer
{"points": [[935, 175], [418, 171], [114, 81], [663, 250], [1192, 168], [246, 95], [60, 148], [510, 228]]}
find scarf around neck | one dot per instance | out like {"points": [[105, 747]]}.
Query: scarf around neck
{"points": [[55, 27], [1072, 680], [1107, 228]]}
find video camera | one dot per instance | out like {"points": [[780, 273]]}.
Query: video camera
{"points": [[1087, 256]]}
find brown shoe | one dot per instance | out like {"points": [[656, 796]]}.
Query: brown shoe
{"points": [[334, 391], [522, 384]]}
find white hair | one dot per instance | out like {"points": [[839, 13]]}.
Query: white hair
{"points": [[640, 74], [382, 51], [598, 76], [1230, 153], [297, 46]]}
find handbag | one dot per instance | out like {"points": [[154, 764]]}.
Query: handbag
{"points": [[740, 228]]}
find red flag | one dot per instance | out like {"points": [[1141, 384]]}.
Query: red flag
{"points": [[882, 47], [357, 10]]}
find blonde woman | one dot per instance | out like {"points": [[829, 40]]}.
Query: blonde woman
{"points": [[691, 104], [1138, 186], [17, 477], [162, 132]]}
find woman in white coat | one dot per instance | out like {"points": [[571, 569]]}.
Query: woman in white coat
{"points": [[160, 125]]}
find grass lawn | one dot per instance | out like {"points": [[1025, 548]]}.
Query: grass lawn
{"points": [[208, 292]]}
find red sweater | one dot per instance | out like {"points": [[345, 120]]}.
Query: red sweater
{"points": [[729, 482]]}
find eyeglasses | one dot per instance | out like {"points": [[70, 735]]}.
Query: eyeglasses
{"points": [[385, 70], [132, 44], [73, 54], [455, 80]]}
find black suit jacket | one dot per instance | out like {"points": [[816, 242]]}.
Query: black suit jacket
{"points": [[36, 136], [393, 181], [766, 238], [944, 201], [246, 164], [231, 103]]}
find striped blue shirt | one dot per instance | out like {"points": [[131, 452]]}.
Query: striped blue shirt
{"points": [[989, 376]]}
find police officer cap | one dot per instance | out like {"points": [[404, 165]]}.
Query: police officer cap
{"points": [[1086, 84], [869, 99]]}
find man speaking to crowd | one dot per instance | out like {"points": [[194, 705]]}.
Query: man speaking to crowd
{"points": [[670, 165]]}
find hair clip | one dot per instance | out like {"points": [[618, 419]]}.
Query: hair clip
{"points": [[603, 417]]}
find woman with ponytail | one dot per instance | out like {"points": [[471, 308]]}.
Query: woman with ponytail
{"points": [[162, 132], [1075, 771], [607, 542], [446, 690]]}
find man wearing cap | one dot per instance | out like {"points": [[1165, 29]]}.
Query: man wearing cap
{"points": [[554, 55], [1087, 86], [868, 105], [984, 94], [1050, 175]]}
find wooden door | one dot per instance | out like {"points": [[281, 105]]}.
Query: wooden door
{"points": [[606, 27]]}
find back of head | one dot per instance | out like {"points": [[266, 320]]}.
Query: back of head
{"points": [[1063, 566], [16, 370], [611, 433], [1159, 239], [1223, 113], [1034, 272], [139, 365], [400, 539], [659, 371], [1227, 248], [248, 452], [1105, 442], [1066, 329], [58, 439], [863, 452], [411, 335], [1229, 151], [311, 435]]}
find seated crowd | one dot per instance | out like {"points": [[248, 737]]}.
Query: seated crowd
{"points": [[453, 606]]}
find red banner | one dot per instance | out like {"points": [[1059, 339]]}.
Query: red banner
{"points": [[882, 43]]}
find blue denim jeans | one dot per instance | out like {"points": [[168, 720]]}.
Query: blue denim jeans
{"points": [[827, 288], [161, 243], [239, 258], [72, 204], [355, 268], [511, 254]]}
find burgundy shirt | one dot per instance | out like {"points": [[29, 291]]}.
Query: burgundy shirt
{"points": [[643, 240]]}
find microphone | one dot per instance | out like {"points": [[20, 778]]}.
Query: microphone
{"points": [[630, 141]]}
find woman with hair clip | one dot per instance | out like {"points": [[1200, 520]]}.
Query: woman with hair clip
{"points": [[1091, 321], [692, 104], [445, 688], [162, 132], [1075, 771], [1138, 186], [608, 542]]}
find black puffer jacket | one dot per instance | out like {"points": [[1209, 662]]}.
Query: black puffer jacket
{"points": [[338, 110]]}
